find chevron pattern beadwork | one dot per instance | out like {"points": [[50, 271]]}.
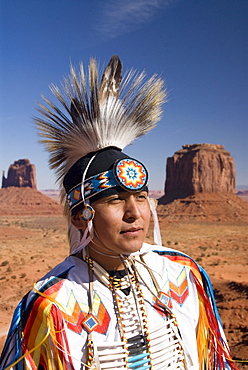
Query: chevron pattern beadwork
{"points": [[178, 286], [76, 313]]}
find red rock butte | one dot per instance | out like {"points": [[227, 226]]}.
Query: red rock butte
{"points": [[200, 183], [199, 168], [20, 174], [19, 196]]}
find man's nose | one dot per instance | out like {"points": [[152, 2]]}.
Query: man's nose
{"points": [[132, 210]]}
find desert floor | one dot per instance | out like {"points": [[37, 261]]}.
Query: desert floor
{"points": [[31, 246]]}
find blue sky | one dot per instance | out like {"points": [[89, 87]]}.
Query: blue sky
{"points": [[198, 46]]}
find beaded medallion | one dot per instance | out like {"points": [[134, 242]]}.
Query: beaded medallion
{"points": [[130, 174]]}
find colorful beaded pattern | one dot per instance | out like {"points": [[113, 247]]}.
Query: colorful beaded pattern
{"points": [[128, 173], [178, 286], [139, 348], [78, 316]]}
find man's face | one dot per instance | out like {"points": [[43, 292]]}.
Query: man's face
{"points": [[121, 222]]}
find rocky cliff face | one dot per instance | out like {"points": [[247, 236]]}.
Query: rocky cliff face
{"points": [[20, 174], [199, 168]]}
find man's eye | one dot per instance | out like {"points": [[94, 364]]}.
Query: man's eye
{"points": [[115, 200]]}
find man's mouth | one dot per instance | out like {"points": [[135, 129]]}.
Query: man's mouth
{"points": [[131, 230]]}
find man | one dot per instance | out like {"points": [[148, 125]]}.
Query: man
{"points": [[116, 302]]}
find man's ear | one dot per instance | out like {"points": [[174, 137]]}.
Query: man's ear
{"points": [[78, 222]]}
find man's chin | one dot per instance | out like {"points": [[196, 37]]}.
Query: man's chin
{"points": [[131, 248]]}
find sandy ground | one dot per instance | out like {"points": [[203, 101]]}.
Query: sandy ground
{"points": [[31, 245]]}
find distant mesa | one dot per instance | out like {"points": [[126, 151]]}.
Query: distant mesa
{"points": [[199, 168], [20, 174], [19, 195], [200, 185]]}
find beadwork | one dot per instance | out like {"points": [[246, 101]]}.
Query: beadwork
{"points": [[129, 174], [139, 348]]}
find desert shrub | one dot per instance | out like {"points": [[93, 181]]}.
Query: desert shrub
{"points": [[215, 263], [4, 263]]}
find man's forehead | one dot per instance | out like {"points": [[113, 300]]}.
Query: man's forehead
{"points": [[121, 194]]}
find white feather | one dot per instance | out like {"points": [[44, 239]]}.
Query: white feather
{"points": [[98, 115]]}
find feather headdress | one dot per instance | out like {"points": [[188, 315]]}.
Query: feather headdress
{"points": [[110, 112]]}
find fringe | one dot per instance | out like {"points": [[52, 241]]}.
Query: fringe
{"points": [[213, 350]]}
